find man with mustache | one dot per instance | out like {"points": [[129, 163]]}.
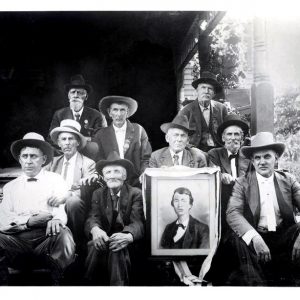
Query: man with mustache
{"points": [[204, 114], [90, 119]]}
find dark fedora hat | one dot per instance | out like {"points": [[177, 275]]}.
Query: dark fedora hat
{"points": [[77, 81], [231, 120], [180, 122], [210, 78], [263, 141], [107, 101], [34, 140], [114, 159]]}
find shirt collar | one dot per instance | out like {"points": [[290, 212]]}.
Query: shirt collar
{"points": [[38, 176], [185, 223], [77, 112], [262, 179], [72, 159], [120, 129], [118, 194], [180, 154], [230, 153]]}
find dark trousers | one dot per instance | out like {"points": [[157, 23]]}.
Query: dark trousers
{"points": [[32, 248], [101, 265], [251, 272]]}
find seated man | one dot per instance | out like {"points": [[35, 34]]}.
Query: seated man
{"points": [[76, 169], [260, 212], [177, 136], [186, 232], [31, 229], [116, 220]]}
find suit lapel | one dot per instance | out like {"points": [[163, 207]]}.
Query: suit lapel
{"points": [[58, 164], [187, 159], [188, 236], [68, 114], [128, 136], [166, 159], [253, 197], [78, 168], [111, 139], [108, 208], [123, 202], [225, 161]]}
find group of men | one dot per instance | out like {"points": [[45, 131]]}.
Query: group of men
{"points": [[50, 213]]}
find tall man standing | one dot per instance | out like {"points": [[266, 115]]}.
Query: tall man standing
{"points": [[204, 114]]}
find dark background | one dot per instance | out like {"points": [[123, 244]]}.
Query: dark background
{"points": [[121, 53]]}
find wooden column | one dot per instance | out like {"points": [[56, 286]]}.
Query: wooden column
{"points": [[262, 92]]}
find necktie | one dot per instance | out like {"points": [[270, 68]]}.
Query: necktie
{"points": [[178, 233], [176, 159], [114, 199], [232, 156], [66, 170], [31, 179], [180, 225], [77, 117]]}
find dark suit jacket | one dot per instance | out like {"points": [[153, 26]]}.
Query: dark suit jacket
{"points": [[190, 158], [194, 113], [139, 149], [243, 210], [91, 120], [131, 211], [196, 235]]}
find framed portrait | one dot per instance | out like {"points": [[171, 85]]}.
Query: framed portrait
{"points": [[182, 211]]}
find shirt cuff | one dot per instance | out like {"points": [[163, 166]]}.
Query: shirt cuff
{"points": [[249, 235]]}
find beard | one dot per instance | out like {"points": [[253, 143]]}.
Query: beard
{"points": [[233, 146]]}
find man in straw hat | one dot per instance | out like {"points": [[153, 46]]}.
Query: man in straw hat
{"points": [[177, 136], [90, 119], [116, 220], [204, 114], [30, 228], [76, 169], [261, 214], [128, 139]]}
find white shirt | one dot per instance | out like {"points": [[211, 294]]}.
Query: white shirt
{"points": [[120, 136], [180, 230], [180, 155], [76, 113], [71, 169], [206, 115], [232, 165], [22, 199], [269, 213]]}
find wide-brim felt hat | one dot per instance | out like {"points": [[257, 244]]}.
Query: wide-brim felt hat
{"points": [[114, 159], [68, 125], [180, 122], [263, 141], [106, 102], [34, 140], [232, 120], [210, 78], [78, 81]]}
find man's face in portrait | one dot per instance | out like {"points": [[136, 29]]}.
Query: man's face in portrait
{"points": [[177, 139], [118, 113], [114, 176], [181, 204], [68, 143], [264, 162], [232, 137], [76, 98], [31, 160], [205, 92]]}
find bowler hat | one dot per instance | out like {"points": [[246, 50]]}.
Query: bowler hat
{"points": [[107, 101], [180, 122], [77, 81], [231, 120], [114, 159], [262, 141], [33, 140], [68, 125]]}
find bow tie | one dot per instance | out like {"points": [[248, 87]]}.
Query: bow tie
{"points": [[31, 179], [180, 225], [232, 156]]}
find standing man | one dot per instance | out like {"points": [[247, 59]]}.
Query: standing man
{"points": [[76, 169], [90, 119], [128, 139], [177, 136], [261, 214], [31, 229], [204, 114], [116, 221]]}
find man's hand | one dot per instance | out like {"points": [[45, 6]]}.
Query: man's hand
{"points": [[89, 180], [261, 249], [119, 240], [57, 201], [39, 220], [227, 178], [296, 250], [100, 238], [53, 227]]}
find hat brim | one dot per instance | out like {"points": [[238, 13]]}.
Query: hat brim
{"points": [[216, 84], [244, 126], [45, 147], [87, 87], [119, 162], [56, 131], [166, 126], [106, 102], [248, 151]]}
